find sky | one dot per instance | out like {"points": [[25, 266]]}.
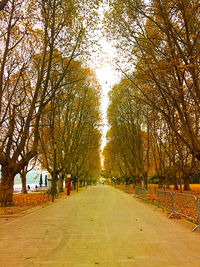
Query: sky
{"points": [[107, 76], [105, 69]]}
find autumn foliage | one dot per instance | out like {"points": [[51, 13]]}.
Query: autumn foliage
{"points": [[40, 40], [159, 94], [23, 202], [31, 198]]}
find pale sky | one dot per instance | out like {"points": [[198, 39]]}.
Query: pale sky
{"points": [[105, 69], [107, 76]]}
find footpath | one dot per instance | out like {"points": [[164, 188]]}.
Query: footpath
{"points": [[28, 203], [98, 226]]}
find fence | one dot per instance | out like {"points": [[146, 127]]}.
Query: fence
{"points": [[165, 200], [182, 204], [129, 189], [177, 203], [140, 192], [185, 205]]}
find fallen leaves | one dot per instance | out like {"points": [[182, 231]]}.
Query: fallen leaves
{"points": [[23, 202], [152, 198], [30, 198], [185, 204]]}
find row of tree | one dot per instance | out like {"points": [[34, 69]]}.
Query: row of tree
{"points": [[154, 112], [49, 103], [69, 134]]}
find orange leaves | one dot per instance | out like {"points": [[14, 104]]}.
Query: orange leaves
{"points": [[193, 36], [184, 205], [152, 198], [185, 67], [120, 186], [24, 200], [6, 211]]}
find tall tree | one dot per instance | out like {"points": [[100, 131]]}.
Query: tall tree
{"points": [[33, 39], [129, 121], [76, 118], [3, 3], [160, 38]]}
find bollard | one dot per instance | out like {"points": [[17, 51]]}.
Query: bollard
{"points": [[68, 184]]}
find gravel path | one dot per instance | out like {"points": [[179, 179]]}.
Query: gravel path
{"points": [[99, 226]]}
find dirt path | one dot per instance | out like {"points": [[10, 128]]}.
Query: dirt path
{"points": [[99, 226]]}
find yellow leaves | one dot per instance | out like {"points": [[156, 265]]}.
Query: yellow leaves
{"points": [[182, 68], [190, 65], [191, 109], [180, 88], [152, 32], [193, 36]]}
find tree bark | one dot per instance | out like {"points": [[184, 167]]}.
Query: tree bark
{"points": [[77, 185], [65, 177], [6, 186], [3, 3], [175, 181], [186, 180], [23, 178], [61, 183], [167, 180], [145, 181], [160, 181]]}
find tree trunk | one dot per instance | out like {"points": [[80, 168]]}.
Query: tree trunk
{"points": [[138, 181], [6, 187], [3, 3], [135, 180], [160, 181], [175, 181], [186, 180], [54, 190], [23, 178], [61, 183], [167, 180], [145, 181], [65, 182]]}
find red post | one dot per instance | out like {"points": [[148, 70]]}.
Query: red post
{"points": [[68, 184]]}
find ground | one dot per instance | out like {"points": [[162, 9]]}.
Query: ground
{"points": [[99, 226]]}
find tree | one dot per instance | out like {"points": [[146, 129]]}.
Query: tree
{"points": [[33, 39], [72, 123], [3, 3], [160, 39], [24, 172], [129, 135]]}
